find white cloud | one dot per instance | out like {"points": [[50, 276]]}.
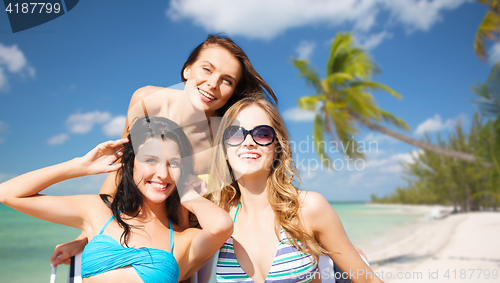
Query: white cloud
{"points": [[266, 19], [13, 59], [3, 126], [420, 14], [305, 49], [494, 54], [434, 124], [308, 175], [371, 41], [380, 138], [391, 169], [298, 115], [4, 85], [114, 128], [409, 157], [355, 177], [58, 139], [392, 164], [31, 71], [83, 123]]}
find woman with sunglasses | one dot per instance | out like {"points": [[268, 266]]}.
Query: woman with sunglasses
{"points": [[217, 73], [279, 231]]}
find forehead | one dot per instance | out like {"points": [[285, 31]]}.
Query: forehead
{"points": [[158, 148], [221, 58], [252, 116]]}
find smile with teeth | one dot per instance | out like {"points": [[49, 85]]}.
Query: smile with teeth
{"points": [[249, 156], [158, 186], [206, 94]]}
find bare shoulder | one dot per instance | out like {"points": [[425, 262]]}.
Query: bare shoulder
{"points": [[312, 200], [153, 94], [314, 205], [143, 92]]}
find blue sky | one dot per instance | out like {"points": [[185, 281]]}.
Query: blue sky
{"points": [[65, 85]]}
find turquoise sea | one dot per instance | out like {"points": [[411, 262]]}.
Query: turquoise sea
{"points": [[26, 243]]}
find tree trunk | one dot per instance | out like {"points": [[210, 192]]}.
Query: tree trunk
{"points": [[426, 146]]}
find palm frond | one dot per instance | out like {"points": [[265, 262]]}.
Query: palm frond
{"points": [[489, 28], [486, 2], [375, 86], [311, 102], [338, 56], [393, 120], [361, 103], [339, 78], [360, 64], [489, 93], [308, 73]]}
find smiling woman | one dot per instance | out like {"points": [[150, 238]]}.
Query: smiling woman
{"points": [[128, 229], [256, 186], [216, 74]]}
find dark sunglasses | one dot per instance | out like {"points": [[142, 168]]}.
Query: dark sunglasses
{"points": [[262, 135]]}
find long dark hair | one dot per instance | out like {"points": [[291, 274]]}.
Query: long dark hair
{"points": [[250, 82], [128, 198]]}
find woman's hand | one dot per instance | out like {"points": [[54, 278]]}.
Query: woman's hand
{"points": [[63, 252], [102, 158], [192, 188]]}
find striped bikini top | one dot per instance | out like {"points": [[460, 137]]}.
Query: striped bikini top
{"points": [[103, 253], [289, 265]]}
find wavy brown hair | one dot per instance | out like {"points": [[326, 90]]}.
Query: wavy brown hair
{"points": [[282, 194]]}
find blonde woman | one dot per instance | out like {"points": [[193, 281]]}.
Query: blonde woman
{"points": [[217, 73], [279, 231]]}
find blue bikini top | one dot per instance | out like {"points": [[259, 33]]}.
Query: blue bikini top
{"points": [[104, 253]]}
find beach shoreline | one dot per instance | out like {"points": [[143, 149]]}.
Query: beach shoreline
{"points": [[462, 247]]}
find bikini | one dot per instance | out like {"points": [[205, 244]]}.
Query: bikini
{"points": [[289, 265], [104, 253]]}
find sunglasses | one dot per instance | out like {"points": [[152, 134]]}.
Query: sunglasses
{"points": [[262, 135]]}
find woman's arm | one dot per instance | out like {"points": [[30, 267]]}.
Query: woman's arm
{"points": [[321, 218], [22, 192], [216, 225]]}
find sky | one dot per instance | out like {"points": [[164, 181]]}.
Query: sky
{"points": [[65, 85]]}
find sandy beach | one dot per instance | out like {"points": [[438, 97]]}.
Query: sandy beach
{"points": [[457, 248]]}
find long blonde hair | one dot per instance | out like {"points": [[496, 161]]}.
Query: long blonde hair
{"points": [[283, 196]]}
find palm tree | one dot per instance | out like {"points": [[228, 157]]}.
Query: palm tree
{"points": [[489, 106], [489, 94], [342, 100], [489, 28]]}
